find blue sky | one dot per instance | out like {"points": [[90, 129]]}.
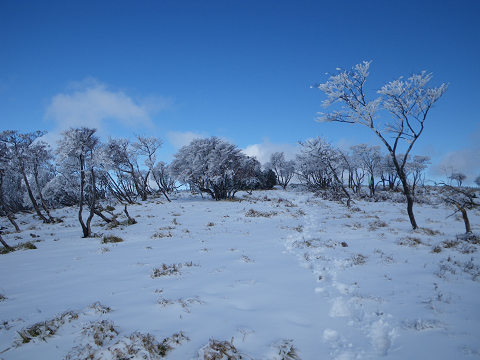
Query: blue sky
{"points": [[240, 70]]}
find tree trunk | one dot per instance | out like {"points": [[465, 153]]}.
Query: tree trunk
{"points": [[82, 198], [411, 216], [11, 218], [135, 180], [165, 194], [349, 199], [103, 217], [145, 187], [372, 185], [5, 208], [32, 198], [131, 220], [468, 229], [159, 184], [8, 247], [93, 199], [406, 192], [44, 205]]}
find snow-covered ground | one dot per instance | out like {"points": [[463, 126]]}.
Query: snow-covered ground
{"points": [[273, 274]]}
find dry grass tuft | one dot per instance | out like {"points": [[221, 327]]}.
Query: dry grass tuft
{"points": [[45, 329], [359, 259], [410, 241], [28, 245], [160, 235], [429, 232], [255, 213], [184, 303], [135, 346], [287, 351], [110, 239], [101, 332], [99, 308], [220, 350], [170, 270], [376, 224]]}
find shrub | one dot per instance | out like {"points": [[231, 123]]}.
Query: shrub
{"points": [[111, 239]]}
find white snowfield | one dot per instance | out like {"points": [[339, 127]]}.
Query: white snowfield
{"points": [[274, 275]]}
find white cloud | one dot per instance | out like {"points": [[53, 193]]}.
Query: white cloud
{"points": [[263, 151], [466, 161], [92, 104], [179, 139]]}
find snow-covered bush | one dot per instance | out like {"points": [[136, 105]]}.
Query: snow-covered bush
{"points": [[62, 190], [321, 167], [215, 167]]}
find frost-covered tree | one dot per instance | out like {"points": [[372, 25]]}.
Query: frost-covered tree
{"points": [[21, 149], [324, 156], [462, 199], [147, 147], [477, 181], [139, 175], [215, 167], [61, 190], [40, 160], [406, 101], [415, 168], [119, 173], [11, 191], [458, 177], [369, 158], [313, 173], [163, 178], [388, 173], [77, 155], [355, 171], [284, 169]]}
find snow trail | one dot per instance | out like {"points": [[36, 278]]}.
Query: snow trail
{"points": [[355, 321]]}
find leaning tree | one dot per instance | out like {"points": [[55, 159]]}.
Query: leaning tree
{"points": [[407, 102]]}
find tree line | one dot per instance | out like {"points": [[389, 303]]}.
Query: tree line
{"points": [[83, 170]]}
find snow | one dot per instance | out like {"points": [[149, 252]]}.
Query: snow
{"points": [[298, 273]]}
